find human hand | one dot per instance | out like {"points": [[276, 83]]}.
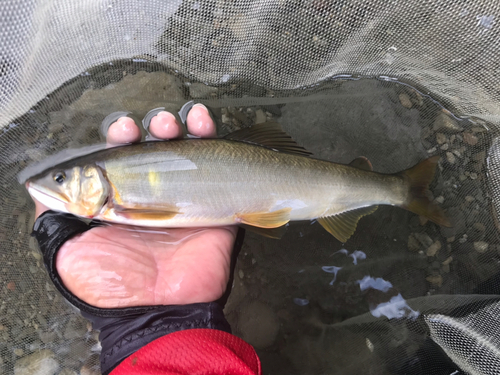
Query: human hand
{"points": [[122, 266]]}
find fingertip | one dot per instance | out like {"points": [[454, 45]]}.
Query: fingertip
{"points": [[200, 123], [124, 130], [165, 126]]}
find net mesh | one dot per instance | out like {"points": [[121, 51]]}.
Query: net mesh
{"points": [[393, 81]]}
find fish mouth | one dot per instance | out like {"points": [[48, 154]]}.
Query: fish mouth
{"points": [[48, 198]]}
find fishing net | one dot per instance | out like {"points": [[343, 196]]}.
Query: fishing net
{"points": [[394, 81]]}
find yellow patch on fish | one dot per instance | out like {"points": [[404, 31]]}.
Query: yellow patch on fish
{"points": [[154, 178]]}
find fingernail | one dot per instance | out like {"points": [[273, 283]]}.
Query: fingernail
{"points": [[199, 105]]}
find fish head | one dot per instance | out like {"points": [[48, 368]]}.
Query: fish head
{"points": [[79, 190]]}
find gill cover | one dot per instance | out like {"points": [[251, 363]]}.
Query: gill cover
{"points": [[81, 190]]}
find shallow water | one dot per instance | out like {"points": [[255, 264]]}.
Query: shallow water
{"points": [[307, 302]]}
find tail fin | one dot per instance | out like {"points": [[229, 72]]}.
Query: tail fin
{"points": [[419, 177]]}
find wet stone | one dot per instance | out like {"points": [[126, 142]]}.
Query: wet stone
{"points": [[481, 246], [470, 139], [42, 362], [444, 121], [405, 100], [200, 90], [259, 325], [439, 200], [469, 198], [75, 328], [435, 280], [413, 244], [260, 116], [479, 227], [445, 147], [450, 157], [433, 249], [473, 176], [423, 239], [457, 219], [441, 138]]}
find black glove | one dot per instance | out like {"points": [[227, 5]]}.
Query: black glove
{"points": [[125, 330]]}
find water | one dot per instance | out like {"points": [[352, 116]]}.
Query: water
{"points": [[308, 303]]}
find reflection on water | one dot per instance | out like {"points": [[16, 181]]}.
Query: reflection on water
{"points": [[308, 303]]}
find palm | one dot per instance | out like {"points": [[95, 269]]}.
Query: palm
{"points": [[115, 266]]}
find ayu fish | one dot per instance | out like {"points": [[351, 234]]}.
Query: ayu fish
{"points": [[257, 177]]}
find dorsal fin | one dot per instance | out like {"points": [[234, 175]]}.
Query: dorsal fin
{"points": [[270, 135], [362, 163]]}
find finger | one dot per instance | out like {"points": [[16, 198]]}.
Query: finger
{"points": [[165, 126], [200, 123], [124, 130]]}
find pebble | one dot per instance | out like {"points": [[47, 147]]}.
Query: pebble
{"points": [[75, 328], [447, 261], [259, 325], [469, 198], [260, 116], [226, 119], [431, 150], [42, 362], [413, 244], [457, 218], [435, 280], [405, 100], [450, 157], [450, 239], [473, 176], [424, 239], [481, 246], [439, 199], [445, 147], [440, 138], [463, 239], [423, 220], [433, 249], [200, 90], [241, 274], [443, 121], [470, 139], [479, 227], [19, 352]]}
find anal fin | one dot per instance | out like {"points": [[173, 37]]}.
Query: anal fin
{"points": [[272, 219], [343, 226]]}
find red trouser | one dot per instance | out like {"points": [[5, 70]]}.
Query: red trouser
{"points": [[193, 351]]}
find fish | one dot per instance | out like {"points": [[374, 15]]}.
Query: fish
{"points": [[257, 177]]}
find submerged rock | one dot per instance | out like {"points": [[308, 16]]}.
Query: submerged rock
{"points": [[38, 363], [259, 325]]}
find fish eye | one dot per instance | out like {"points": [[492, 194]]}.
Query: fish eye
{"points": [[59, 177]]}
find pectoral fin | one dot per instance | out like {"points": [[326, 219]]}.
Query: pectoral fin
{"points": [[265, 219], [143, 213], [343, 226]]}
